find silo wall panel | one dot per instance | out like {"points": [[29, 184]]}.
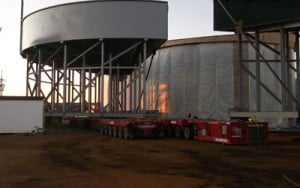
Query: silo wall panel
{"points": [[197, 79]]}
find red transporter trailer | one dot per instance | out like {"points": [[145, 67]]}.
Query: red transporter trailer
{"points": [[226, 132], [129, 128], [179, 127], [222, 132]]}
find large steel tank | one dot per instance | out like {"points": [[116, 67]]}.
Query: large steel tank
{"points": [[80, 56], [201, 76]]}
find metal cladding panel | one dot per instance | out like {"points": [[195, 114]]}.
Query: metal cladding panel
{"points": [[255, 13], [200, 79], [96, 19], [194, 79]]}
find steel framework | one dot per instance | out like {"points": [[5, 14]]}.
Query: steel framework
{"points": [[83, 64], [288, 76], [78, 88]]}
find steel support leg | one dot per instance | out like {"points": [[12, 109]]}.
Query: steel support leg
{"points": [[298, 66], [283, 67], [38, 72], [82, 86], [53, 86], [257, 65], [110, 82], [145, 107], [90, 91], [102, 77], [241, 80], [65, 78]]}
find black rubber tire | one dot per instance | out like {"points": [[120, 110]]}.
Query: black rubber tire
{"points": [[105, 130], [178, 133], [101, 129], [115, 131], [169, 131], [187, 133], [110, 131], [125, 133]]}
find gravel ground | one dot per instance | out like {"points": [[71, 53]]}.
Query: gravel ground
{"points": [[69, 157]]}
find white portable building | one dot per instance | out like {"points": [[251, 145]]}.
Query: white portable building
{"points": [[21, 114]]}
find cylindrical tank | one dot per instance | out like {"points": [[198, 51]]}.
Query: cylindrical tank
{"points": [[201, 76], [96, 20], [80, 55]]}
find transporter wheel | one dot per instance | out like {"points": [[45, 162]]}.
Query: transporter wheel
{"points": [[169, 131], [120, 132], [101, 129], [125, 133], [188, 133], [177, 132], [115, 131], [110, 130], [105, 130]]}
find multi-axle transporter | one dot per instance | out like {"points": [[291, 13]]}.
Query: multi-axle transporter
{"points": [[226, 132]]}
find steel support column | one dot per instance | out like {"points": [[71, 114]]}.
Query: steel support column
{"points": [[102, 78], [90, 91], [130, 92], [139, 103], [58, 86], [38, 73], [65, 60], [82, 86], [27, 76], [124, 93], [53, 86], [297, 65], [110, 85], [145, 107], [117, 90], [241, 80], [283, 38], [257, 66]]}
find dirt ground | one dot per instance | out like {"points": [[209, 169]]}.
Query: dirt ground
{"points": [[70, 157]]}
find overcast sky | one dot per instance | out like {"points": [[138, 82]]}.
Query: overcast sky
{"points": [[187, 18]]}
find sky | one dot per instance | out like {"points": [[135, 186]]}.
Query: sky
{"points": [[187, 18]]}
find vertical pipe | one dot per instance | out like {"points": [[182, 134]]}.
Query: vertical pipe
{"points": [[257, 64], [145, 107], [65, 78], [102, 77], [241, 80]]}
